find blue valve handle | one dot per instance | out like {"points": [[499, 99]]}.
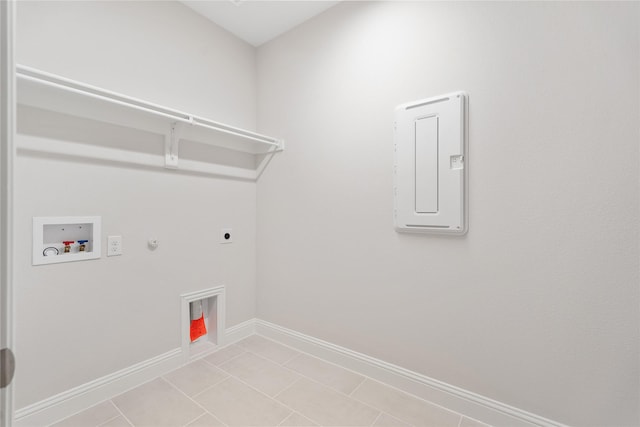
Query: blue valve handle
{"points": [[82, 241]]}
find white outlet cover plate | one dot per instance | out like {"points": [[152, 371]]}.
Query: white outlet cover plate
{"points": [[114, 245]]}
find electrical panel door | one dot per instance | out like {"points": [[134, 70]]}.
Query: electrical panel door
{"points": [[430, 165]]}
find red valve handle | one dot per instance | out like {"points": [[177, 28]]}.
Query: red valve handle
{"points": [[68, 242]]}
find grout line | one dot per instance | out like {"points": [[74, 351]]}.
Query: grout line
{"points": [[120, 411], [300, 377], [428, 402], [265, 394], [109, 420], [378, 417], [292, 358], [226, 361], [200, 392], [381, 410], [270, 362], [193, 400], [280, 365], [408, 424], [190, 421], [203, 415], [301, 352], [259, 391], [232, 359], [333, 390], [272, 341], [206, 389], [239, 343], [312, 380], [212, 415], [299, 414], [274, 397], [289, 416], [462, 417], [80, 411], [358, 386], [365, 377], [277, 342]]}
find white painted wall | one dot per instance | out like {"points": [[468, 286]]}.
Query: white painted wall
{"points": [[538, 305], [76, 322], [159, 51]]}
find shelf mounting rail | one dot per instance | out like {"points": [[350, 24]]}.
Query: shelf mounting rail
{"points": [[178, 120]]}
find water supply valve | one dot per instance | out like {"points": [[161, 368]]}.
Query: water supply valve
{"points": [[83, 245], [67, 245]]}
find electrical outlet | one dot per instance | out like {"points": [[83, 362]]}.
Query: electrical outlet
{"points": [[226, 235], [114, 245]]}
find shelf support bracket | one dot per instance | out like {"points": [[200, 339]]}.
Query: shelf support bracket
{"points": [[171, 144]]}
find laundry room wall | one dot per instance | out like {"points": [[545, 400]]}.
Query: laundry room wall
{"points": [[537, 306], [79, 321]]}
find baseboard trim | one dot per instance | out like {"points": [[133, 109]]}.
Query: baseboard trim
{"points": [[454, 398], [239, 332], [86, 395], [498, 414], [72, 401]]}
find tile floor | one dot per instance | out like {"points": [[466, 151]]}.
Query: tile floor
{"points": [[259, 382]]}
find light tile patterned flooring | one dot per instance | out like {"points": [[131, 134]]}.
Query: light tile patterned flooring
{"points": [[259, 382]]}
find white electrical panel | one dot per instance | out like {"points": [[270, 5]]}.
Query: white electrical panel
{"points": [[64, 239], [429, 170]]}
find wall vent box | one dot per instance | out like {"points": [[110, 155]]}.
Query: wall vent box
{"points": [[212, 305], [430, 144], [50, 233]]}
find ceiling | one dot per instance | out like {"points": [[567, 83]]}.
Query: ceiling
{"points": [[258, 21]]}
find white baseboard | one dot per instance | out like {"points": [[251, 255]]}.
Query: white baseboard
{"points": [[473, 405], [69, 402], [62, 405], [238, 332], [72, 401]]}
